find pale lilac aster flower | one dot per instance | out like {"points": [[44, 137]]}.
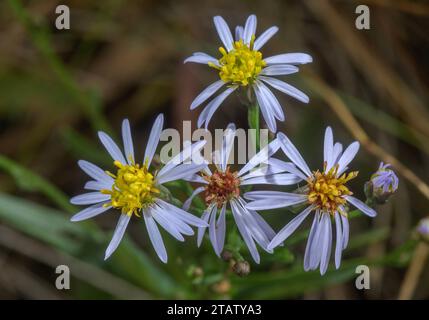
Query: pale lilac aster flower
{"points": [[222, 190], [242, 65], [423, 229], [325, 194], [134, 189], [385, 179]]}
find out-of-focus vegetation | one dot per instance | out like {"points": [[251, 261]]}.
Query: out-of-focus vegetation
{"points": [[124, 59]]}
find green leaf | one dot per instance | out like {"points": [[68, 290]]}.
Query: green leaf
{"points": [[49, 225], [29, 181], [80, 239]]}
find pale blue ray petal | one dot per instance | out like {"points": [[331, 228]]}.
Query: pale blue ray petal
{"points": [[286, 88], [264, 106], [327, 244], [328, 148], [201, 57], [293, 154], [317, 244], [262, 156], [239, 33], [180, 172], [181, 157], [187, 203], [154, 136], [221, 228], [181, 214], [274, 200], [111, 147], [166, 224], [272, 101], [345, 223], [284, 233], [347, 156], [311, 238], [227, 144], [212, 106], [361, 206], [128, 141], [238, 217], [289, 58], [206, 93], [339, 241], [264, 37], [280, 179], [89, 198], [155, 237], [98, 185], [253, 227], [265, 227], [180, 225], [94, 171], [90, 212], [201, 230], [212, 231], [279, 70], [249, 29], [224, 32], [118, 234]]}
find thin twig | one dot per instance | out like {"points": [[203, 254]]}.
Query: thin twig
{"points": [[414, 270], [372, 66]]}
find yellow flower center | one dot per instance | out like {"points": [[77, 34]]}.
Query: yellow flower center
{"points": [[327, 191], [221, 187], [133, 189], [241, 65]]}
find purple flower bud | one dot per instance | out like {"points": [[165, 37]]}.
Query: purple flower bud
{"points": [[385, 179]]}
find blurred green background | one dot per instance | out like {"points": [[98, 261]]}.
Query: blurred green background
{"points": [[124, 59]]}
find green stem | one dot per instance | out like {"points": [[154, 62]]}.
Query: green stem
{"points": [[253, 120]]}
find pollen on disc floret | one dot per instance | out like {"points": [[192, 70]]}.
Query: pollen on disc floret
{"points": [[133, 189]]}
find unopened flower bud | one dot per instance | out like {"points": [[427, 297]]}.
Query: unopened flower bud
{"points": [[226, 255], [241, 268], [423, 229], [382, 185]]}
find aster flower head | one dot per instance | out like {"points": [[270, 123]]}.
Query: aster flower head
{"points": [[325, 194], [222, 189], [134, 189], [242, 65], [382, 185]]}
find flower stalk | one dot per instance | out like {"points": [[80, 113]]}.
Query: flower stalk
{"points": [[253, 120]]}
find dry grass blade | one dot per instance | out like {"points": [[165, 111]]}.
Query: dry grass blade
{"points": [[374, 68], [81, 270]]}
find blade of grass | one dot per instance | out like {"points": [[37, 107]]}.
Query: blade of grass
{"points": [[30, 181]]}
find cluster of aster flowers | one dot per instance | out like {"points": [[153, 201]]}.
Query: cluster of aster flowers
{"points": [[136, 189]]}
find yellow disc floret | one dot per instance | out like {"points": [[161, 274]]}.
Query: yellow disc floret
{"points": [[327, 191], [133, 189], [241, 65]]}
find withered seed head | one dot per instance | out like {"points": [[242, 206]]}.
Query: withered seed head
{"points": [[222, 187]]}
